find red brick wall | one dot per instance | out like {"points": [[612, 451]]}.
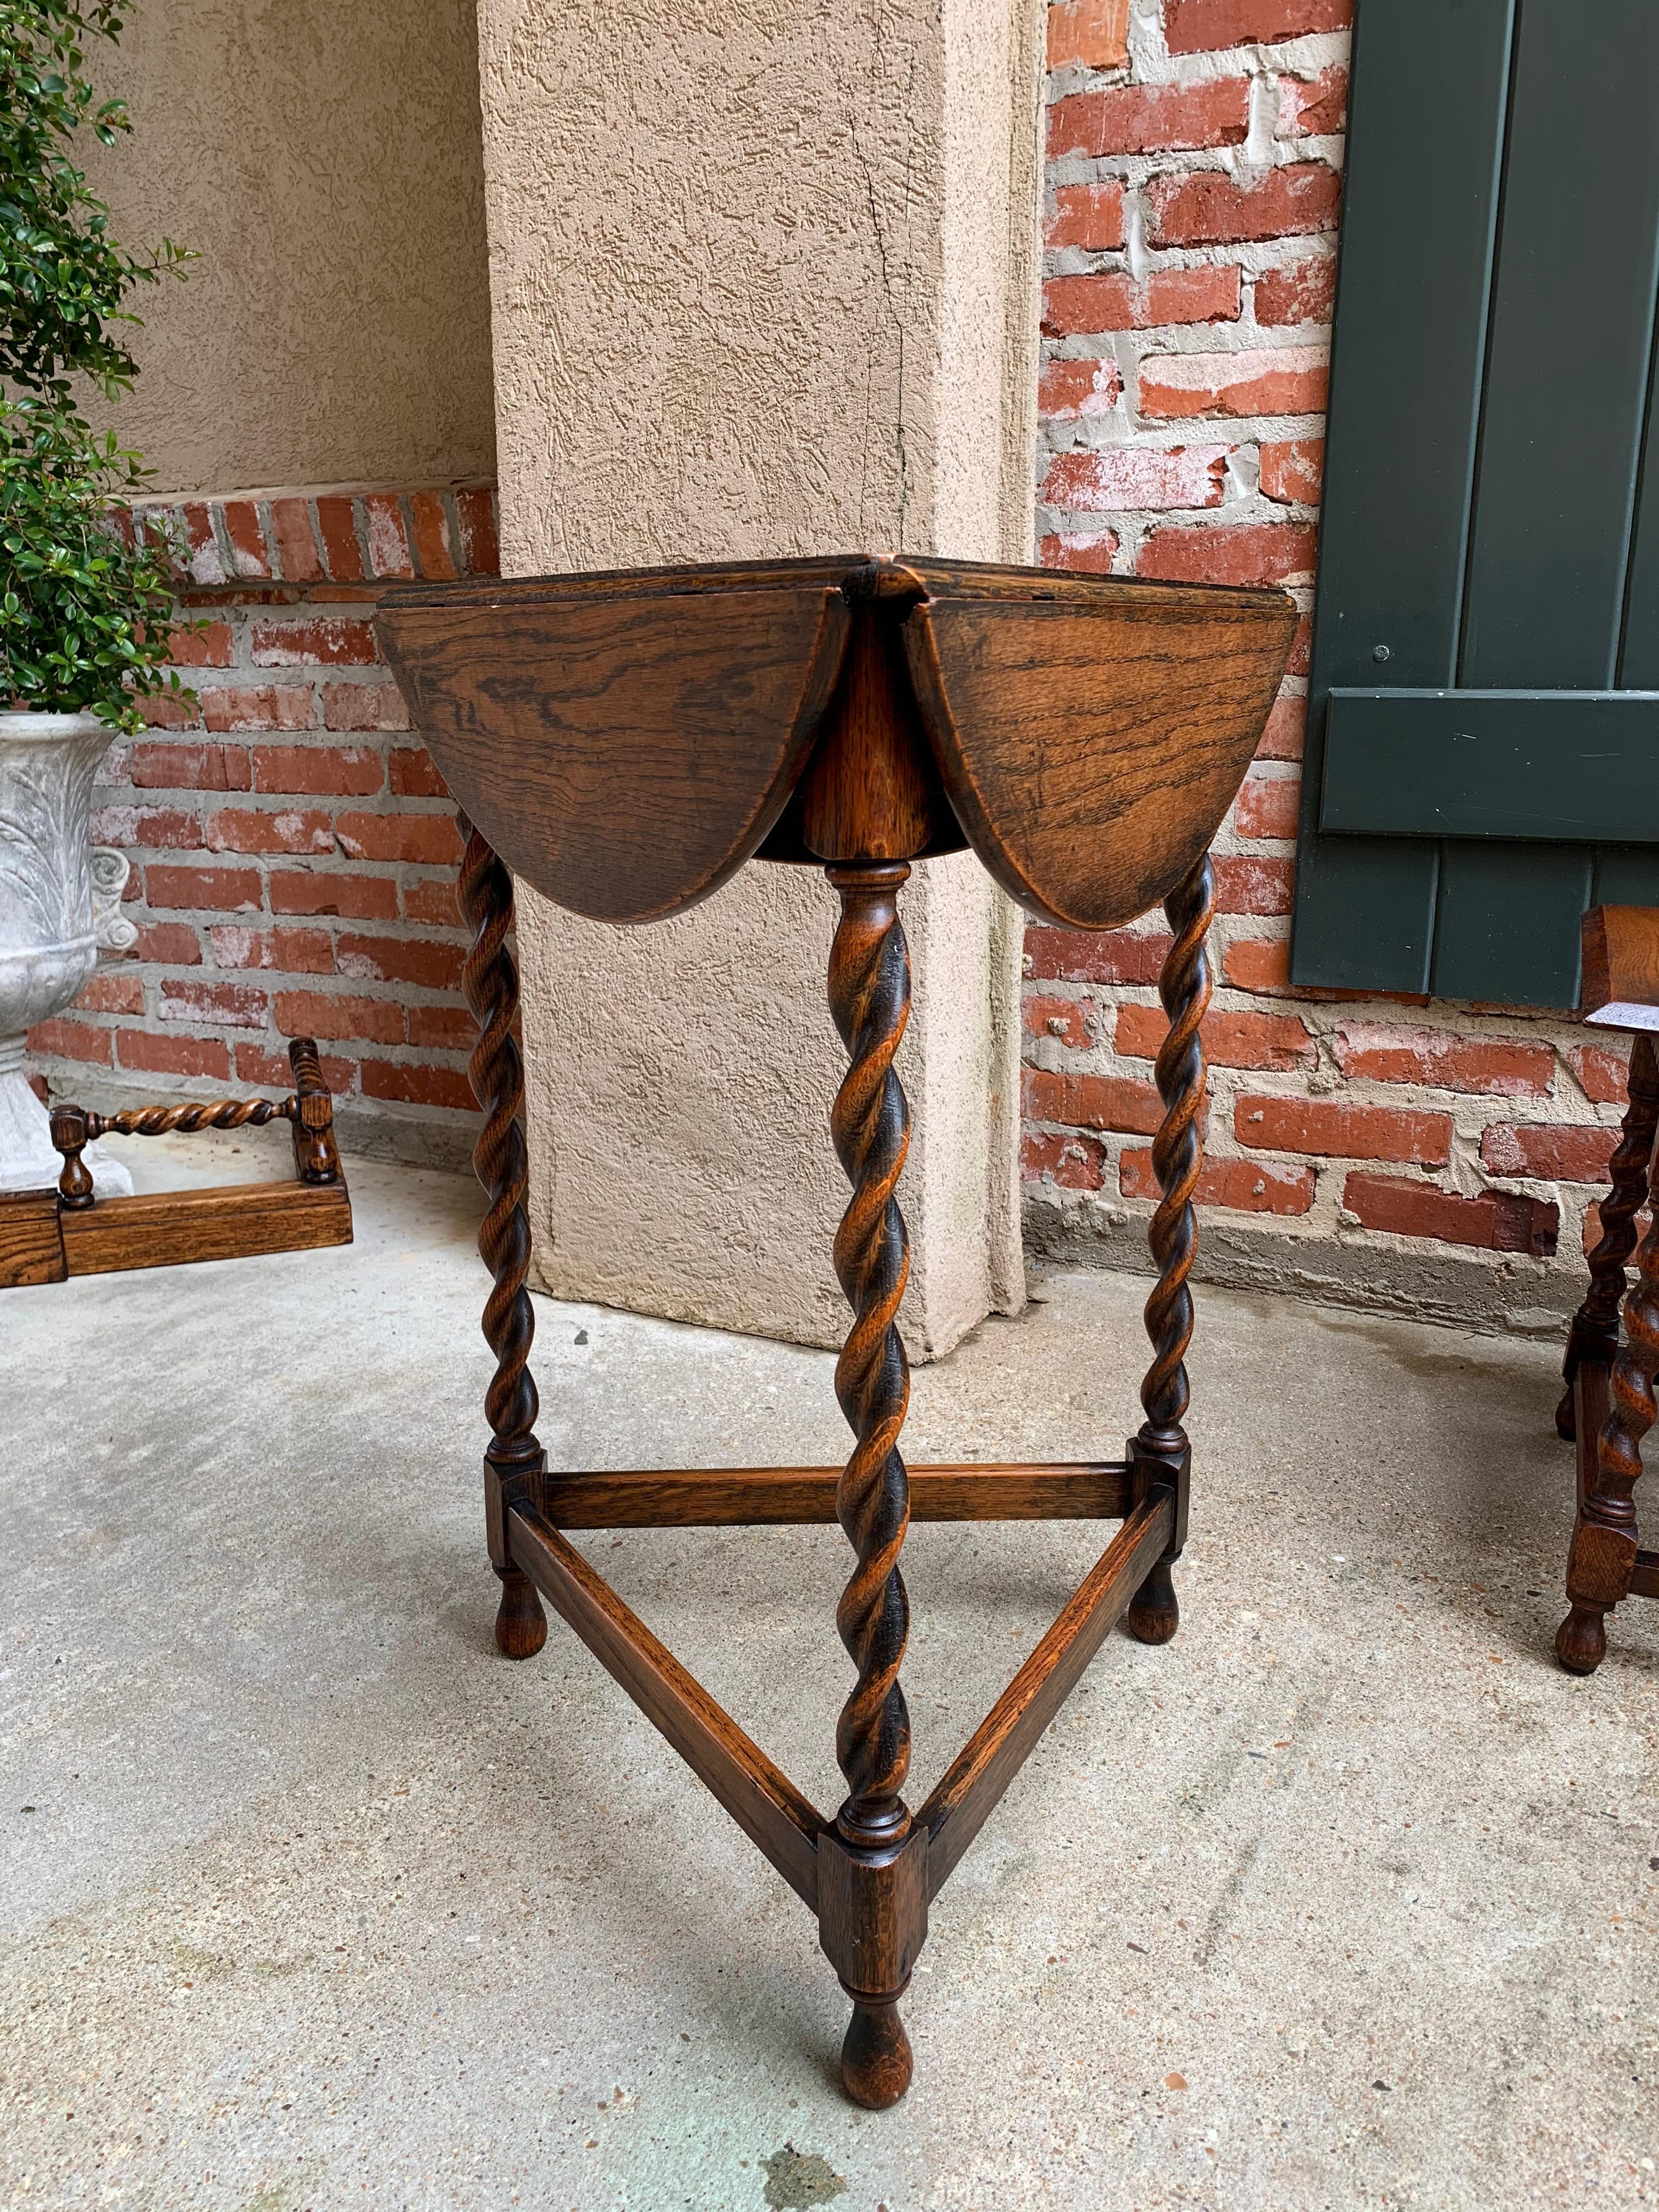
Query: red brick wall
{"points": [[293, 851], [1194, 186], [292, 848]]}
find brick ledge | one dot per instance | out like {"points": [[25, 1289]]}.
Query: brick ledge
{"points": [[328, 534]]}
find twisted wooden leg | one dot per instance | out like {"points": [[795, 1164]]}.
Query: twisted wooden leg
{"points": [[1604, 1541], [515, 1462], [1595, 1331], [1160, 1450], [869, 1122]]}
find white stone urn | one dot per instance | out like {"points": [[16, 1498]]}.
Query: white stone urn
{"points": [[60, 900]]}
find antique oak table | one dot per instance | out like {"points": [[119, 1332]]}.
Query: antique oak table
{"points": [[624, 743]]}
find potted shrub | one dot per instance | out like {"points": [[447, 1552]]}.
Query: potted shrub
{"points": [[85, 603]]}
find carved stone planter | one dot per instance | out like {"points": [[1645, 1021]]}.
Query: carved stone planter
{"points": [[60, 902]]}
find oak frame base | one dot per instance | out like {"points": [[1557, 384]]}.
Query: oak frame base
{"points": [[869, 1872], [871, 1919]]}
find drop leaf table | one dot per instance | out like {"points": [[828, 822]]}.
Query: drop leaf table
{"points": [[624, 743]]}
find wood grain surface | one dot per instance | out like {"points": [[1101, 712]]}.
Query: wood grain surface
{"points": [[626, 741], [871, 789], [1091, 742], [624, 752], [1620, 988], [31, 1248], [715, 1497], [762, 1800], [170, 1228], [970, 1787]]}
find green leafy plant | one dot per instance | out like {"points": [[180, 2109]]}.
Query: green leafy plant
{"points": [[85, 601]]}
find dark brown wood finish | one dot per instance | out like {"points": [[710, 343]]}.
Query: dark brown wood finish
{"points": [[624, 743], [1177, 1157], [872, 1923], [310, 1110], [1602, 1564], [763, 1802], [1090, 747], [49, 1236], [967, 1792], [626, 750], [1595, 1331], [514, 1460], [870, 1124], [872, 791], [627, 741], [760, 1497], [1607, 1406], [316, 1155]]}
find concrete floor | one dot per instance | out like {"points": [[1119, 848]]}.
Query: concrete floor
{"points": [[1346, 1898]]}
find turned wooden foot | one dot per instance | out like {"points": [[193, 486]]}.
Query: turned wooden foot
{"points": [[520, 1624], [1154, 1616], [876, 2060], [1580, 1641]]}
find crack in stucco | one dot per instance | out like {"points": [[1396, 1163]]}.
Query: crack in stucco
{"points": [[879, 236]]}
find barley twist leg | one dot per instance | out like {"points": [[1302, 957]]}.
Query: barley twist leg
{"points": [[1595, 1331], [491, 981], [870, 1122], [1604, 1541], [1177, 1156]]}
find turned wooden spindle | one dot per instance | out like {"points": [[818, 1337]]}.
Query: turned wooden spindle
{"points": [[1595, 1331], [870, 1122], [311, 1109], [72, 1134], [514, 1456], [1177, 1156], [1604, 1541]]}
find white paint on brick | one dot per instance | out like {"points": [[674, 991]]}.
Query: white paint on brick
{"points": [[1137, 259], [1259, 150]]}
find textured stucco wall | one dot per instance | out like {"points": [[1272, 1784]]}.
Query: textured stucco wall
{"points": [[764, 282], [325, 162]]}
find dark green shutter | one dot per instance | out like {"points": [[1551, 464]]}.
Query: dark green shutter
{"points": [[1482, 763]]}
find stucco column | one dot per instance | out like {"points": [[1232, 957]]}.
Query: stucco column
{"points": [[763, 279]]}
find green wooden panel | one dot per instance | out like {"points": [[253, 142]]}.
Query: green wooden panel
{"points": [[1420, 197], [1639, 659], [1500, 918], [1573, 767], [1567, 352], [1625, 875], [1628, 875], [1567, 361]]}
